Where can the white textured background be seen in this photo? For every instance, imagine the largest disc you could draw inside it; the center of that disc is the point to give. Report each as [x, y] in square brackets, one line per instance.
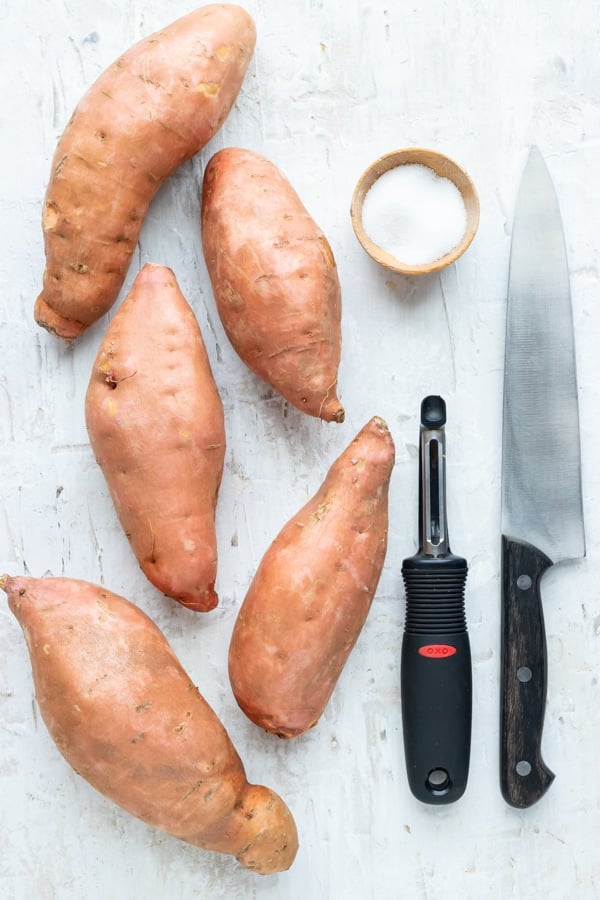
[333, 84]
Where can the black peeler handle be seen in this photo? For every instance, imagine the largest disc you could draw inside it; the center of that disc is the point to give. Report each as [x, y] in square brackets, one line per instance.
[436, 679]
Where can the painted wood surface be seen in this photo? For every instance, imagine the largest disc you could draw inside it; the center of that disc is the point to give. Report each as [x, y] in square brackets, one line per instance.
[333, 85]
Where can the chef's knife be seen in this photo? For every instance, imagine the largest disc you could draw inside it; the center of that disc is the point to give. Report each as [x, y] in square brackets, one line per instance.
[435, 671]
[542, 516]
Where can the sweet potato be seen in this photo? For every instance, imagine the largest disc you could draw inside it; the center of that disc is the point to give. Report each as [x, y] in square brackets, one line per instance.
[156, 426]
[150, 111]
[126, 716]
[312, 591]
[274, 278]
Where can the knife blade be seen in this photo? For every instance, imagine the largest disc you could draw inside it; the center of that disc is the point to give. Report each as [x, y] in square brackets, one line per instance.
[542, 510]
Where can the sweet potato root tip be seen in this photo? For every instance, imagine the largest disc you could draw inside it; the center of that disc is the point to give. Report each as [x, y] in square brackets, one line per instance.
[47, 318]
[332, 410]
[209, 601]
[286, 734]
[267, 832]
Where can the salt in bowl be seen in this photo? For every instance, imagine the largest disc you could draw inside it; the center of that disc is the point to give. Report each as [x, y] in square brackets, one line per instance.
[439, 165]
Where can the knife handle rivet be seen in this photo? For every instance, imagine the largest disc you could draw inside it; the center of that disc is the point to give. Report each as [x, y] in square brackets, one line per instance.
[523, 768]
[524, 674]
[524, 582]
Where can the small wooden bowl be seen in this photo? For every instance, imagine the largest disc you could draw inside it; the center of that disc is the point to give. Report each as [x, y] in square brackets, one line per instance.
[442, 166]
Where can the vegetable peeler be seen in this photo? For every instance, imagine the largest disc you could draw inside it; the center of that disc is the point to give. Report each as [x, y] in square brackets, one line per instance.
[436, 680]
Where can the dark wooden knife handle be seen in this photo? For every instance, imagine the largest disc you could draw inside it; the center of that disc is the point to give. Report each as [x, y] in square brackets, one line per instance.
[524, 777]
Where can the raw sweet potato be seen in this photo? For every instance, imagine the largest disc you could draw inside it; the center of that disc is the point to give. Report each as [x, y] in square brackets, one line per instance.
[274, 278]
[156, 426]
[126, 716]
[312, 591]
[150, 111]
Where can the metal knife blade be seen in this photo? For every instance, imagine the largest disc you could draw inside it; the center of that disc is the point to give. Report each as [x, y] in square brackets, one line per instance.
[542, 511]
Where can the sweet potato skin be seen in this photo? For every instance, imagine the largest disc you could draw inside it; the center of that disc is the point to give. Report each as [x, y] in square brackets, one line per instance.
[156, 426]
[126, 716]
[150, 111]
[274, 278]
[312, 591]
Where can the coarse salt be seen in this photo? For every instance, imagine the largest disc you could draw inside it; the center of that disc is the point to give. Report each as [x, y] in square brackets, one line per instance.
[414, 214]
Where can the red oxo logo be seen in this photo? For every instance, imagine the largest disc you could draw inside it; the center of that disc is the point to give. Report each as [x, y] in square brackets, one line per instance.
[437, 651]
